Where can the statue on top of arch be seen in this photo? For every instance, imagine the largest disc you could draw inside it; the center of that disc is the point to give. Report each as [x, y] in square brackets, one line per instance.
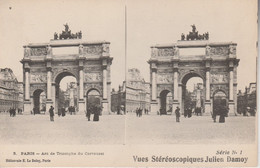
[67, 34]
[194, 35]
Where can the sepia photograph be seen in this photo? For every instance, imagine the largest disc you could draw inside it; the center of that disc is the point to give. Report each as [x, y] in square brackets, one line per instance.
[128, 83]
[194, 73]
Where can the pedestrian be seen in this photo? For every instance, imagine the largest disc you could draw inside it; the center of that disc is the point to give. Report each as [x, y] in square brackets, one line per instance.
[223, 114]
[214, 115]
[70, 110]
[141, 112]
[185, 112]
[63, 112]
[189, 112]
[89, 111]
[59, 112]
[11, 112]
[14, 112]
[177, 113]
[97, 113]
[51, 111]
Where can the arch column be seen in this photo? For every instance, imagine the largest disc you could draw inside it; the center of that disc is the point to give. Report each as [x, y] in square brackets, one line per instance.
[27, 99]
[181, 100]
[207, 102]
[175, 90]
[49, 89]
[53, 90]
[231, 103]
[81, 101]
[105, 100]
[155, 102]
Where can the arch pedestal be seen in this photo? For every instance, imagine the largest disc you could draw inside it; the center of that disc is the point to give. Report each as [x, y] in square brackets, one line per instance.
[82, 107]
[27, 107]
[154, 108]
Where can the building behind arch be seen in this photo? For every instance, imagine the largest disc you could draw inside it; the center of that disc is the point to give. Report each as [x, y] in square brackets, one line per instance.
[11, 91]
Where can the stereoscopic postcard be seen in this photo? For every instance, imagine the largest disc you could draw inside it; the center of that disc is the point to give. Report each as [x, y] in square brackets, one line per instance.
[127, 83]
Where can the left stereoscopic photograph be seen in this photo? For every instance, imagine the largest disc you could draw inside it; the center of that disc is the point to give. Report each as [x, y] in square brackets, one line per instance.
[58, 70]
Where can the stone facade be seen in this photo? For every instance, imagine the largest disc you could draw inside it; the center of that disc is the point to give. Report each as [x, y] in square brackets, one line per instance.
[11, 92]
[43, 70]
[247, 99]
[137, 91]
[216, 66]
[118, 99]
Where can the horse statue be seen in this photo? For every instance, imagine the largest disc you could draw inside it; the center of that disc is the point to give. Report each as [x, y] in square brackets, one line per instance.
[192, 35]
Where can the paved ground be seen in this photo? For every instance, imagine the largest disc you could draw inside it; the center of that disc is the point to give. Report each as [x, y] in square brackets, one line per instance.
[71, 129]
[75, 129]
[194, 130]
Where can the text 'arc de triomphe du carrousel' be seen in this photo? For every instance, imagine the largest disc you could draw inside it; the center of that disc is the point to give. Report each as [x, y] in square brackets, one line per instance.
[43, 70]
[172, 65]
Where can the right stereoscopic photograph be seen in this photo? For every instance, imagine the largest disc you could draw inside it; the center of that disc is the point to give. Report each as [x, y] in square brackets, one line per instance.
[191, 72]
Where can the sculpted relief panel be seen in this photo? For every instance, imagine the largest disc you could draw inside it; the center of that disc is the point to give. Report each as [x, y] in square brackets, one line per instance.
[165, 52]
[219, 75]
[92, 68]
[38, 78]
[93, 50]
[224, 51]
[219, 78]
[93, 77]
[191, 64]
[165, 78]
[38, 51]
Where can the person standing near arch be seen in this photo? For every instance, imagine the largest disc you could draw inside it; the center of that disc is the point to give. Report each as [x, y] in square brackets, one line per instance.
[177, 113]
[51, 111]
[223, 114]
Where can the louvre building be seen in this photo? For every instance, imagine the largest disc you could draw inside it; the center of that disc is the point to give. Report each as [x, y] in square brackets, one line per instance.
[137, 91]
[11, 91]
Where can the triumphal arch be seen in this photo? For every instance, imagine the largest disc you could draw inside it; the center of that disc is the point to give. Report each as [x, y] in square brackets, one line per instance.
[172, 65]
[46, 64]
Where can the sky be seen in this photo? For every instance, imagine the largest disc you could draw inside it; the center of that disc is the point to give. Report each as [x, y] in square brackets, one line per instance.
[162, 22]
[31, 21]
[149, 22]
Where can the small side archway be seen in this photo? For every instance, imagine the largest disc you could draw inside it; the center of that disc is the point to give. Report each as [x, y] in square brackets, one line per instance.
[93, 98]
[165, 102]
[219, 99]
[39, 101]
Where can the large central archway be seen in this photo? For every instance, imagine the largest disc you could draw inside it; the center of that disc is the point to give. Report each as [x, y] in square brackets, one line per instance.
[193, 97]
[68, 93]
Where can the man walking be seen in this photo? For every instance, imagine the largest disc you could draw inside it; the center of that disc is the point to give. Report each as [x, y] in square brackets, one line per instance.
[89, 111]
[51, 113]
[177, 113]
